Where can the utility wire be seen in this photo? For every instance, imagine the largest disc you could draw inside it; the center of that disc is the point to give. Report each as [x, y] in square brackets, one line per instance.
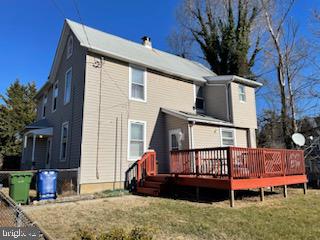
[80, 18]
[56, 5]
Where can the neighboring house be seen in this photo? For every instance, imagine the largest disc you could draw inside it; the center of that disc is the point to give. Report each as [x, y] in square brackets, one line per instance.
[107, 100]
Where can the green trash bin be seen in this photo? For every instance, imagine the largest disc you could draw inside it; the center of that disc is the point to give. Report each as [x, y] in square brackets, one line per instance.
[20, 186]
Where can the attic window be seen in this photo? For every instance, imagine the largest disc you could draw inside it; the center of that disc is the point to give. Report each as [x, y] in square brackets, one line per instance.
[70, 47]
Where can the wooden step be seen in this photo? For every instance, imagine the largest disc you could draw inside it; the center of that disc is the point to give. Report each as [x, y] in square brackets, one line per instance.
[157, 178]
[148, 191]
[151, 184]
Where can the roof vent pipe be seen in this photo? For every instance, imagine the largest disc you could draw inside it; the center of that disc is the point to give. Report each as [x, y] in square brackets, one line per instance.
[146, 41]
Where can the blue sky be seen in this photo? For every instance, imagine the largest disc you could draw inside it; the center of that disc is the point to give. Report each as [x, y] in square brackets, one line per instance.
[30, 29]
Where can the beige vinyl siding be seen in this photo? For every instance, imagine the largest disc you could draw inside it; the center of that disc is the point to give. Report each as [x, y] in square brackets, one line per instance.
[216, 101]
[253, 138]
[244, 113]
[71, 112]
[241, 137]
[162, 91]
[205, 136]
[171, 123]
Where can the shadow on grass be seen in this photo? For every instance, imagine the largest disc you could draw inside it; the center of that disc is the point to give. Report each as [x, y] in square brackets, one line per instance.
[209, 195]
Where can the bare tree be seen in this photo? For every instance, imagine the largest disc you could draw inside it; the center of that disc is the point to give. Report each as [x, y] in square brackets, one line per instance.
[288, 60]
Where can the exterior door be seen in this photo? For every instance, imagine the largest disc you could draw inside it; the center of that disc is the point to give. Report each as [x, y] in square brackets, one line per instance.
[48, 152]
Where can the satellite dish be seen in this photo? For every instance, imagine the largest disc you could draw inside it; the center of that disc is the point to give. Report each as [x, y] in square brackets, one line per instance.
[298, 139]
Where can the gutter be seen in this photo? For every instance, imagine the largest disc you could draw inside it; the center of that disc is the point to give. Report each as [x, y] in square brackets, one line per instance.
[212, 80]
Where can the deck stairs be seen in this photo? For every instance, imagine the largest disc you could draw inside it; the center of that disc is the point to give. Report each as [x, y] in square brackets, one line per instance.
[143, 178]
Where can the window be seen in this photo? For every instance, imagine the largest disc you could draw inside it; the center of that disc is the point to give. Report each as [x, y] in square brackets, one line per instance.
[70, 47]
[227, 137]
[55, 93]
[44, 105]
[199, 98]
[137, 89]
[242, 93]
[67, 86]
[137, 135]
[64, 141]
[175, 139]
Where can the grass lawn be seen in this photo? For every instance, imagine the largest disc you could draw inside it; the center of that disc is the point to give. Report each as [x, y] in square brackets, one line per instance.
[297, 217]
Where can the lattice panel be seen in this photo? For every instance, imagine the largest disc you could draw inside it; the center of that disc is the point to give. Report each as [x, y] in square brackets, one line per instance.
[273, 162]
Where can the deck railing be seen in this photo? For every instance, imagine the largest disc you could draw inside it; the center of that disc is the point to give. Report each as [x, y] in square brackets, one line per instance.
[236, 162]
[140, 169]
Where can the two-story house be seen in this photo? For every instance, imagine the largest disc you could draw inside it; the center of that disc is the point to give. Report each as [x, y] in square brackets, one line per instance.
[107, 100]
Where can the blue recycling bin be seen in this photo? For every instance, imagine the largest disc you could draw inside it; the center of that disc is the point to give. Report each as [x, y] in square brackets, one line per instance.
[47, 184]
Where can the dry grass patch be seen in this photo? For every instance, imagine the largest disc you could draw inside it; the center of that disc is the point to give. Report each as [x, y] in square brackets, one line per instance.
[277, 218]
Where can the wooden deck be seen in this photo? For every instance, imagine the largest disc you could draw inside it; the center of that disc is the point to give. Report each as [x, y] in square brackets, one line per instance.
[228, 168]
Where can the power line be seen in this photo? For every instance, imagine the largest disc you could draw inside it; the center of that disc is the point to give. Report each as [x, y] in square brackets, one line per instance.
[80, 18]
[56, 5]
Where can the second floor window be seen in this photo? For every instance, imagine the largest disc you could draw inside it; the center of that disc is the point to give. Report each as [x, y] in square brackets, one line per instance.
[44, 105]
[199, 98]
[137, 84]
[67, 86]
[242, 93]
[55, 93]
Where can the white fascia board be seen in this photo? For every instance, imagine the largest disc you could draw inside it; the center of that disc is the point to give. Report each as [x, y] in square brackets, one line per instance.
[232, 78]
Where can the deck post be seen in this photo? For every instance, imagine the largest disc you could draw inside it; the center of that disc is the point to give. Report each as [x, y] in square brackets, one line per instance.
[197, 163]
[305, 188]
[285, 191]
[197, 193]
[272, 188]
[232, 198]
[261, 194]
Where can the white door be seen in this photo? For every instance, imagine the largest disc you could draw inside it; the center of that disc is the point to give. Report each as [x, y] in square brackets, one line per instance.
[48, 152]
[175, 138]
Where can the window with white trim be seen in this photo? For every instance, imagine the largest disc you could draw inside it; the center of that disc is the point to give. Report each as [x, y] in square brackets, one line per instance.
[67, 86]
[137, 131]
[44, 105]
[227, 137]
[64, 141]
[70, 47]
[199, 98]
[242, 93]
[137, 84]
[55, 93]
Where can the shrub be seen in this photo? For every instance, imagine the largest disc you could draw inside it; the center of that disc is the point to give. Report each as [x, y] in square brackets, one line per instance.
[136, 233]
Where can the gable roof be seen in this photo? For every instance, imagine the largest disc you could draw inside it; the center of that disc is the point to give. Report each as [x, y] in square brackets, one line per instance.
[125, 50]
